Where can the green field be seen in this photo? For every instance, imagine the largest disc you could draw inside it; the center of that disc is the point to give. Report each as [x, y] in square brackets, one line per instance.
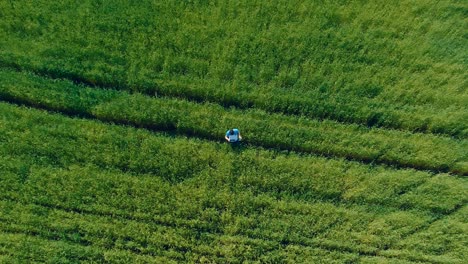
[354, 116]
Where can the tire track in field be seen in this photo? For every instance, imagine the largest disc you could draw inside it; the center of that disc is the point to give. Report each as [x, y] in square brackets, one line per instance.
[130, 219]
[427, 225]
[118, 214]
[53, 234]
[326, 245]
[44, 239]
[80, 80]
[101, 250]
[335, 200]
[420, 229]
[439, 217]
[142, 219]
[171, 131]
[329, 245]
[414, 157]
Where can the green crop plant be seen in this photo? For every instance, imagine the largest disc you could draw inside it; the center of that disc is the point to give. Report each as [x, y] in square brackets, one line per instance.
[113, 114]
[95, 195]
[210, 121]
[143, 154]
[374, 63]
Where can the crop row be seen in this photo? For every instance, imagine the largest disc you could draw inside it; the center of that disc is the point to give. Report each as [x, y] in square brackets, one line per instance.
[91, 237]
[60, 141]
[136, 199]
[21, 248]
[369, 69]
[281, 177]
[230, 197]
[26, 247]
[64, 142]
[446, 236]
[134, 236]
[402, 149]
[322, 225]
[448, 121]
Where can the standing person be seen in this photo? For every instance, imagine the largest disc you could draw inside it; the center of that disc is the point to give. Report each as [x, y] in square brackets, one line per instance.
[233, 135]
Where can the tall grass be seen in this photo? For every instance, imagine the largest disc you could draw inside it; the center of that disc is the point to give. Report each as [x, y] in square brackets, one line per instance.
[351, 111]
[79, 187]
[210, 121]
[390, 64]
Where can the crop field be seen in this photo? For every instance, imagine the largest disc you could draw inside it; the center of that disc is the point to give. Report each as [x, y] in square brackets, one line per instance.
[354, 117]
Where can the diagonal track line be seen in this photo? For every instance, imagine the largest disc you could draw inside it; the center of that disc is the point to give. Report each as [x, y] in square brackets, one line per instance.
[321, 244]
[439, 217]
[172, 131]
[427, 225]
[80, 80]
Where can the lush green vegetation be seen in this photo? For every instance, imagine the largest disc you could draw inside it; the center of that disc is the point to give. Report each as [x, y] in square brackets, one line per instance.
[354, 117]
[92, 185]
[387, 63]
[401, 149]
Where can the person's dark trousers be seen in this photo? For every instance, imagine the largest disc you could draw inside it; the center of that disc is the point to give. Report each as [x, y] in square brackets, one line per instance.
[235, 145]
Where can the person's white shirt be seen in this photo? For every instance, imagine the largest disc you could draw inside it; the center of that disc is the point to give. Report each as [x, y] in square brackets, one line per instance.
[233, 138]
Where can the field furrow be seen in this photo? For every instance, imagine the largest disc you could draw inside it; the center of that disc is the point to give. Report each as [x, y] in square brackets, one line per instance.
[117, 232]
[345, 109]
[241, 199]
[26, 247]
[77, 141]
[138, 221]
[353, 117]
[329, 139]
[445, 237]
[398, 66]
